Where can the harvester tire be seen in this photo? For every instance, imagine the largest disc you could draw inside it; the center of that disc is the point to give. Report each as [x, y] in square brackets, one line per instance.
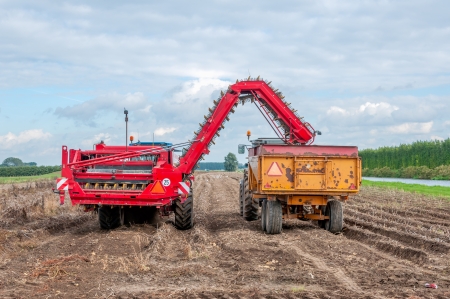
[184, 213]
[109, 218]
[241, 198]
[263, 214]
[273, 217]
[250, 207]
[336, 221]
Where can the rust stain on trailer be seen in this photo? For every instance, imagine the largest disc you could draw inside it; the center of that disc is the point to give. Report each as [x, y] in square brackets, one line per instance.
[289, 175]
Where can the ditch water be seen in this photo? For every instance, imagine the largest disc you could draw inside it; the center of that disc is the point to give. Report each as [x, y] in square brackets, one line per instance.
[410, 181]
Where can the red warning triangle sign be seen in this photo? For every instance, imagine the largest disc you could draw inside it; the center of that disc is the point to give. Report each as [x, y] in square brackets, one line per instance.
[158, 188]
[274, 170]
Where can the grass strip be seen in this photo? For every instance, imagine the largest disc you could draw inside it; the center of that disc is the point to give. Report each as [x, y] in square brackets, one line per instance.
[439, 191]
[33, 178]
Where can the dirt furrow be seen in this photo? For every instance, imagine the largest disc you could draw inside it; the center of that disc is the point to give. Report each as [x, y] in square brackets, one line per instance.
[413, 232]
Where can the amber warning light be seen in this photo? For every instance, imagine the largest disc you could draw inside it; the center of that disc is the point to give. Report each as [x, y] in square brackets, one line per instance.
[249, 134]
[131, 138]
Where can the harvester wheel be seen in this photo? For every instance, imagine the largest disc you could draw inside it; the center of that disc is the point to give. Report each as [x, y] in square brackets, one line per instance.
[334, 211]
[241, 198]
[263, 214]
[250, 207]
[109, 218]
[184, 215]
[273, 217]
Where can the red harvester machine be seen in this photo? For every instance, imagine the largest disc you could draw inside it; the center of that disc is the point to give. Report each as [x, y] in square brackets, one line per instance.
[125, 183]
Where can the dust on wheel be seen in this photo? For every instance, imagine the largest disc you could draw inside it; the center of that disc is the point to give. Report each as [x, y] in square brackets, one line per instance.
[273, 217]
[109, 218]
[334, 211]
[184, 213]
[250, 207]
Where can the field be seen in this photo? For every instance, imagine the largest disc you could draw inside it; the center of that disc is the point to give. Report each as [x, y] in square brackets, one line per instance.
[393, 243]
[438, 191]
[24, 179]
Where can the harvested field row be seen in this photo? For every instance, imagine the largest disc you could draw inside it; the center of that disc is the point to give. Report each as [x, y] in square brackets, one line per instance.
[389, 249]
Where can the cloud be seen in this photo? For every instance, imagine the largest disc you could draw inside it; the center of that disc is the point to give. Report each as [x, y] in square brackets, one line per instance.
[163, 131]
[433, 137]
[166, 64]
[367, 113]
[88, 111]
[411, 128]
[28, 137]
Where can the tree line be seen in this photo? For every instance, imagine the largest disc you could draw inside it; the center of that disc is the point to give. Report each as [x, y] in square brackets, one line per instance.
[27, 170]
[420, 153]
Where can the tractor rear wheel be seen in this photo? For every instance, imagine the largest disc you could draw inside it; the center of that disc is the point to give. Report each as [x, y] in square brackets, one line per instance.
[273, 217]
[250, 207]
[109, 218]
[336, 221]
[263, 214]
[184, 214]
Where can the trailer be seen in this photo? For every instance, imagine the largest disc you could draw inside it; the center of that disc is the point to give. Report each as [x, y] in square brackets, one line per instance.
[130, 184]
[298, 182]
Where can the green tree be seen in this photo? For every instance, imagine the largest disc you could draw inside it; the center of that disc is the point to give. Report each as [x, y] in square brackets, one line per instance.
[11, 161]
[231, 162]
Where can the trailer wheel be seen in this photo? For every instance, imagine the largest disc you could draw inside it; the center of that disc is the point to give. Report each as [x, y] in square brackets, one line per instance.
[273, 217]
[334, 211]
[241, 198]
[184, 215]
[109, 218]
[250, 207]
[263, 214]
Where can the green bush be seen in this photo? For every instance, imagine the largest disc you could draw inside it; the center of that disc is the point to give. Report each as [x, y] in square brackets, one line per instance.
[411, 172]
[420, 153]
[27, 170]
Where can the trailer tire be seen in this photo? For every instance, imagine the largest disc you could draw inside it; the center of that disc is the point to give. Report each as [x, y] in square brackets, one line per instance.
[241, 198]
[250, 207]
[184, 215]
[336, 221]
[273, 217]
[263, 214]
[109, 218]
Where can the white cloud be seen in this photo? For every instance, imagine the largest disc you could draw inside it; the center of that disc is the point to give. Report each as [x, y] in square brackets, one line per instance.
[411, 128]
[163, 131]
[28, 137]
[433, 137]
[381, 108]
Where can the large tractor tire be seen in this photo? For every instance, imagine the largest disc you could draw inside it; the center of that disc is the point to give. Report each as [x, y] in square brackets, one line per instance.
[273, 217]
[263, 214]
[250, 207]
[241, 198]
[336, 221]
[110, 218]
[184, 213]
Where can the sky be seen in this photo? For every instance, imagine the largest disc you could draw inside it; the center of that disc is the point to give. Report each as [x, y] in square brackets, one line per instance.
[364, 73]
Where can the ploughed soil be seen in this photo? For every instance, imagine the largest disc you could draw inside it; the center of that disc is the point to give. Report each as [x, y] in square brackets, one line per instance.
[392, 244]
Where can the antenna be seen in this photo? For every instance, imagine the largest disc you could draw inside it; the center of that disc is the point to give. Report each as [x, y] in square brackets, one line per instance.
[125, 111]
